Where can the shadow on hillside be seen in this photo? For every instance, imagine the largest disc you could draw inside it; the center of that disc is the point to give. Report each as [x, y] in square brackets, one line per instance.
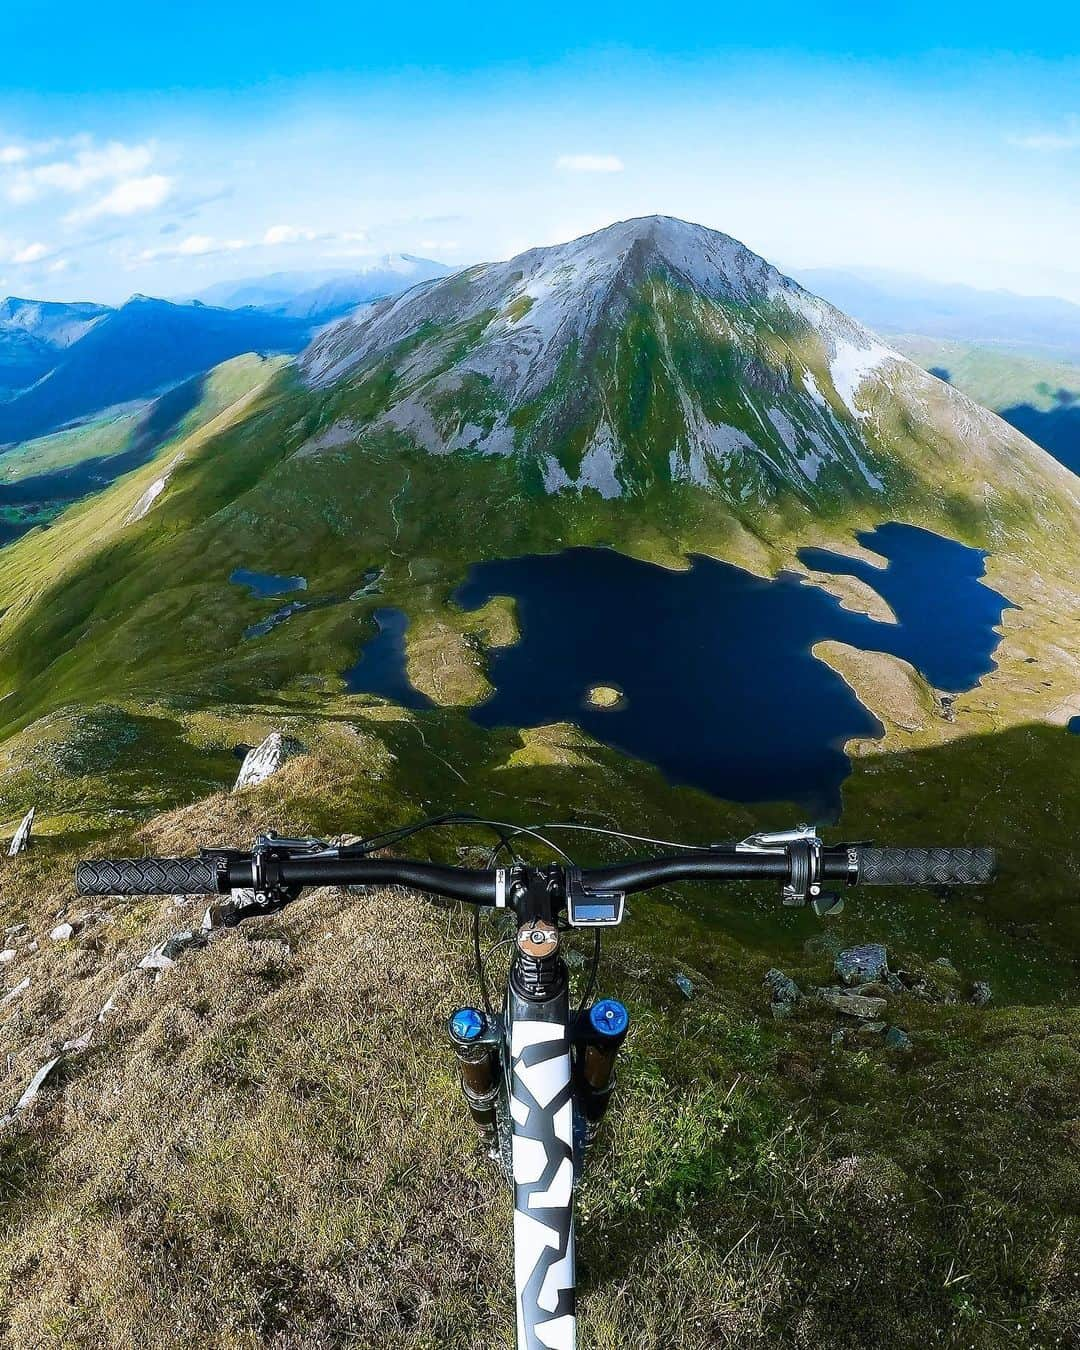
[155, 425]
[1057, 431]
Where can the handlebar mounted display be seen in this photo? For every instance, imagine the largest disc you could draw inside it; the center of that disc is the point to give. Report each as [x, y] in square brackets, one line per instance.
[592, 907]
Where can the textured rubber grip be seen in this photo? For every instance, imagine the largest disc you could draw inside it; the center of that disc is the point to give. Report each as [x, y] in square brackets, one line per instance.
[146, 876]
[926, 866]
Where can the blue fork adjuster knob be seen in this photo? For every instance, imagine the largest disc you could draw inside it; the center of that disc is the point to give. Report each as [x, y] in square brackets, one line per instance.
[467, 1025]
[609, 1018]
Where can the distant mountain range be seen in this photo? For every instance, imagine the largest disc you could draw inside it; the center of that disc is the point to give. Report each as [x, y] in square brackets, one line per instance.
[319, 296]
[33, 333]
[892, 302]
[65, 363]
[91, 358]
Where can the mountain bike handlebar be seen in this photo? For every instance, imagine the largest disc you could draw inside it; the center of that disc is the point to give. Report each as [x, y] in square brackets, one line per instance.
[224, 871]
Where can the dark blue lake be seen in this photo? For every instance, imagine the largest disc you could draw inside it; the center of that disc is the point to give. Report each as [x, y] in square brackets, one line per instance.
[721, 690]
[263, 584]
[381, 667]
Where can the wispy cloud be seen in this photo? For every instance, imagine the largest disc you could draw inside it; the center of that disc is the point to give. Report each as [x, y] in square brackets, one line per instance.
[287, 234]
[590, 163]
[1067, 138]
[194, 246]
[127, 198]
[353, 242]
[89, 166]
[32, 253]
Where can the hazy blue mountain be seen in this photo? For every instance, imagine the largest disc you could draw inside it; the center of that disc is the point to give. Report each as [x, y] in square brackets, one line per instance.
[319, 296]
[33, 334]
[897, 303]
[136, 352]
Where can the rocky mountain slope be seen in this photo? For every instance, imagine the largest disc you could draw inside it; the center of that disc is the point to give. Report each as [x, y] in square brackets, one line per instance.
[658, 352]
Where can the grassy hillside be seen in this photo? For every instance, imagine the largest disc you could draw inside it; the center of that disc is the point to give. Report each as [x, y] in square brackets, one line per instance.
[177, 415]
[267, 1148]
[1038, 396]
[256, 1150]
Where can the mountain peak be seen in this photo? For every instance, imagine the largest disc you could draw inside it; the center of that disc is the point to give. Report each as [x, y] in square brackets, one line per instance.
[560, 294]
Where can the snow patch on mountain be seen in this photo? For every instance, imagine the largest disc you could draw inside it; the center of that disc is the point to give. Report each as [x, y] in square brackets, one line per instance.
[851, 366]
[152, 493]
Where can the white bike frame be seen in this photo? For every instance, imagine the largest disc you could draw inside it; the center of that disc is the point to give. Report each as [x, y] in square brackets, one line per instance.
[540, 1093]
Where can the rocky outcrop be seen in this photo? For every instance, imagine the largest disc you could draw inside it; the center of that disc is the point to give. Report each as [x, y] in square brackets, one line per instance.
[266, 759]
[853, 1005]
[868, 964]
[21, 841]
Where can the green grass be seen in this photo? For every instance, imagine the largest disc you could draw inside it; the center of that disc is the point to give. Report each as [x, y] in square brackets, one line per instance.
[996, 378]
[269, 1146]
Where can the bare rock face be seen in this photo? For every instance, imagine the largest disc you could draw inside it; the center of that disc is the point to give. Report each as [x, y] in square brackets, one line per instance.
[266, 759]
[854, 1005]
[21, 841]
[862, 965]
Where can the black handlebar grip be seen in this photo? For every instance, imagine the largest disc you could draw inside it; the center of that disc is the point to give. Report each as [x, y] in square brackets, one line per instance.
[926, 866]
[147, 876]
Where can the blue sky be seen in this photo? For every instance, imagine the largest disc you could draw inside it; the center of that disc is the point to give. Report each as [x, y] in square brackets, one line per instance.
[158, 149]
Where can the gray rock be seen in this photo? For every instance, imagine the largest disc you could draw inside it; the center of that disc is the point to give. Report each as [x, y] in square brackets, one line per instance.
[13, 993]
[63, 932]
[869, 1030]
[782, 988]
[266, 759]
[166, 954]
[981, 994]
[684, 985]
[945, 963]
[37, 1083]
[837, 1037]
[21, 842]
[897, 1039]
[180, 942]
[575, 960]
[862, 965]
[16, 930]
[781, 1009]
[7, 956]
[852, 1005]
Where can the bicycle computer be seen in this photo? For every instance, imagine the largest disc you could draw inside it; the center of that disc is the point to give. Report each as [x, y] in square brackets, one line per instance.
[592, 908]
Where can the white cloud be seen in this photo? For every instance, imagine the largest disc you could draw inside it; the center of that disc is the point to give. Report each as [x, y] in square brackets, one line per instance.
[60, 265]
[590, 163]
[88, 166]
[31, 253]
[127, 198]
[13, 154]
[1067, 139]
[194, 246]
[287, 234]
